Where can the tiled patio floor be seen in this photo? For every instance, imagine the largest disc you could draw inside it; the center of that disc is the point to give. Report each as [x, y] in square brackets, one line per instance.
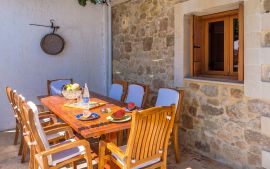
[10, 160]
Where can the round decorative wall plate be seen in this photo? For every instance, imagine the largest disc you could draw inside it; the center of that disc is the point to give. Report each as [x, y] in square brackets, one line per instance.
[52, 44]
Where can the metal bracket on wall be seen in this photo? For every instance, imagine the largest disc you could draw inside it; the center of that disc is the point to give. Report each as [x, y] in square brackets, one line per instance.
[48, 26]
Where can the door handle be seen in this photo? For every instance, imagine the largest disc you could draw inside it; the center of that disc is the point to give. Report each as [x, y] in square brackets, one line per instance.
[196, 46]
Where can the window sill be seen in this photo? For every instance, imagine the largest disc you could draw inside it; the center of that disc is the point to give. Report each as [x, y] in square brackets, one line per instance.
[215, 81]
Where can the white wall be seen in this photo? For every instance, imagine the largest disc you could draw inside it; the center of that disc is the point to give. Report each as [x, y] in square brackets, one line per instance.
[25, 67]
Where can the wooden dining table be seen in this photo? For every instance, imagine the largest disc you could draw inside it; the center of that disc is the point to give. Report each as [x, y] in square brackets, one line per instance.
[93, 128]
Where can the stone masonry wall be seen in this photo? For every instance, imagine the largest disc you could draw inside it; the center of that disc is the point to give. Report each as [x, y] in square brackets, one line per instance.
[143, 42]
[218, 120]
[221, 123]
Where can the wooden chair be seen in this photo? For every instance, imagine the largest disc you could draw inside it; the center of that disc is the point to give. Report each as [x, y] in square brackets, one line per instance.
[55, 86]
[9, 92]
[58, 155]
[17, 101]
[167, 97]
[118, 90]
[28, 136]
[148, 141]
[138, 94]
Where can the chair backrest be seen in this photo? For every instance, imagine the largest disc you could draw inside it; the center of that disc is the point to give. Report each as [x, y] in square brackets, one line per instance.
[8, 92]
[38, 125]
[10, 95]
[37, 130]
[118, 90]
[149, 135]
[55, 86]
[167, 97]
[138, 94]
[15, 102]
[20, 100]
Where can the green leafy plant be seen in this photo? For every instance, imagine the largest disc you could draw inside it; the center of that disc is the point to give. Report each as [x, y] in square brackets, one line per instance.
[84, 2]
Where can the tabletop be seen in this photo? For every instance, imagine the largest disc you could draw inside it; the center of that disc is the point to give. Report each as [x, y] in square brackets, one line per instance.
[87, 129]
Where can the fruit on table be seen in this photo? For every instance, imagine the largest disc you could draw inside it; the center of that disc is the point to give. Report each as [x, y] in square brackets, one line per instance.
[75, 86]
[119, 114]
[131, 106]
[68, 87]
[72, 87]
[86, 114]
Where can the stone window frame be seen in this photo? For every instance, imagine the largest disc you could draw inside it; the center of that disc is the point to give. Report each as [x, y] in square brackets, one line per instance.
[182, 12]
[201, 69]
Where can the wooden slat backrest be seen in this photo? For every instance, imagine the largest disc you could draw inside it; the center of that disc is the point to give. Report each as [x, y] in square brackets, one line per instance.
[149, 136]
[20, 101]
[8, 92]
[33, 129]
[10, 96]
[15, 102]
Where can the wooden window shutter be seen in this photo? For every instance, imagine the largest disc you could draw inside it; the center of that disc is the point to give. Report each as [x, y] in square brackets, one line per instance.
[196, 46]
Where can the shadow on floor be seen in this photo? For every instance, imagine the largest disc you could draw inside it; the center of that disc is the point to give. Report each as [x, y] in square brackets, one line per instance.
[189, 160]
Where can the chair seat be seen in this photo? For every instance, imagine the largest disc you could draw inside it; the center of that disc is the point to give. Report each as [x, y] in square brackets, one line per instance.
[67, 154]
[148, 163]
[55, 135]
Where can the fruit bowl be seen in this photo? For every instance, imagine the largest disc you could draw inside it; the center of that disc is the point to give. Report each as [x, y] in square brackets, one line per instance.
[71, 91]
[72, 94]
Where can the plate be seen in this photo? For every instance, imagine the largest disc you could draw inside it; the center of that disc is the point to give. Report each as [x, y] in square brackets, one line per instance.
[92, 117]
[124, 119]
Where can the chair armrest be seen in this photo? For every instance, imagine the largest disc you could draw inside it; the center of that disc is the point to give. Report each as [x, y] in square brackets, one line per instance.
[41, 113]
[56, 125]
[67, 146]
[116, 150]
[68, 131]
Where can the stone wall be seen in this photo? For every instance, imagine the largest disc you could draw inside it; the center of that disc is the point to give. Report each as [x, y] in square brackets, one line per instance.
[220, 122]
[143, 42]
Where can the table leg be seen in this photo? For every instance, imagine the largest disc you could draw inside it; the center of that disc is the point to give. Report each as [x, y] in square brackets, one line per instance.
[112, 137]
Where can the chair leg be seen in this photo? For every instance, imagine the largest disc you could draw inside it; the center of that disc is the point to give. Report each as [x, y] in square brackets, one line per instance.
[74, 165]
[102, 151]
[31, 158]
[24, 152]
[36, 166]
[16, 134]
[21, 145]
[89, 164]
[163, 166]
[176, 143]
[120, 138]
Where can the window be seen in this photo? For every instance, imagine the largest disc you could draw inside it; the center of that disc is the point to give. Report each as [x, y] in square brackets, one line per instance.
[217, 45]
